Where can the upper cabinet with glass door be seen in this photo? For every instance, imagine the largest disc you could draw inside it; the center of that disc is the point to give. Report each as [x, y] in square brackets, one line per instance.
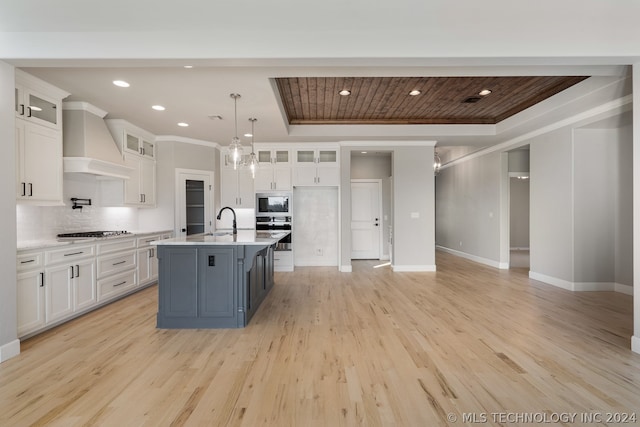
[317, 157]
[132, 139]
[37, 101]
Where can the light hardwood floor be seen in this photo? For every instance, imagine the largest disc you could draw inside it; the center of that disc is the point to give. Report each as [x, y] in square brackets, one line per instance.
[372, 348]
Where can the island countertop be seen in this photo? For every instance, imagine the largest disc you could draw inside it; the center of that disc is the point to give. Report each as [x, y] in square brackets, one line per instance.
[226, 237]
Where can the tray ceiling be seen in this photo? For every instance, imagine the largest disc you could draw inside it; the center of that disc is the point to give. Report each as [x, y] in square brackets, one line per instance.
[386, 100]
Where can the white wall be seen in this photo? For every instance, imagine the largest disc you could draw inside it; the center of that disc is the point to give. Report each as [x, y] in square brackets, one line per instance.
[9, 345]
[468, 208]
[315, 226]
[413, 209]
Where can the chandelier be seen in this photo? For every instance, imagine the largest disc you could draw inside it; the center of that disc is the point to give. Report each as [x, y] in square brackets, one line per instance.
[252, 162]
[235, 148]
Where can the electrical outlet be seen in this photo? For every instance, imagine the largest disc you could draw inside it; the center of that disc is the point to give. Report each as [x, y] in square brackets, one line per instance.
[319, 251]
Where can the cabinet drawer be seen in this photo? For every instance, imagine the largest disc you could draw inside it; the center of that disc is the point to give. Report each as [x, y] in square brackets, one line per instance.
[282, 259]
[146, 240]
[115, 285]
[116, 246]
[108, 265]
[29, 261]
[70, 253]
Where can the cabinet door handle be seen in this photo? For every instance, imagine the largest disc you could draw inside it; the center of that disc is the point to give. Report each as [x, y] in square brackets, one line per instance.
[28, 111]
[41, 280]
[120, 284]
[22, 109]
[24, 188]
[72, 275]
[151, 253]
[30, 189]
[118, 263]
[74, 253]
[28, 261]
[77, 270]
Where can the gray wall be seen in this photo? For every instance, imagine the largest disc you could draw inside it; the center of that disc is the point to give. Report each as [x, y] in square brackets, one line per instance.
[551, 237]
[518, 213]
[468, 207]
[595, 155]
[171, 155]
[413, 192]
[8, 316]
[624, 203]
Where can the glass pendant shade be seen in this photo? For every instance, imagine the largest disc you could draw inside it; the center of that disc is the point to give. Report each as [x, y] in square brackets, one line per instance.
[235, 152]
[437, 163]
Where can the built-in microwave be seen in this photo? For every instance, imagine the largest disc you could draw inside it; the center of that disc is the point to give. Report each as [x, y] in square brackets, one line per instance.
[278, 204]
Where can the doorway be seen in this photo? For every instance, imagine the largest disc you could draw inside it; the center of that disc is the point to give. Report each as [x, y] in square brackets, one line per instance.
[193, 202]
[519, 208]
[366, 218]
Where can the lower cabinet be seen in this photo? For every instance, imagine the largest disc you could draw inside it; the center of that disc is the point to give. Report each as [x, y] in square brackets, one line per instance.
[212, 286]
[57, 284]
[30, 302]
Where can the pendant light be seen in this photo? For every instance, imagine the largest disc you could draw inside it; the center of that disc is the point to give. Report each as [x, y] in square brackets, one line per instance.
[235, 149]
[253, 160]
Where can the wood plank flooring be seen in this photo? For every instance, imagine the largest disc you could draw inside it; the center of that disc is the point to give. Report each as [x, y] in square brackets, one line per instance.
[372, 348]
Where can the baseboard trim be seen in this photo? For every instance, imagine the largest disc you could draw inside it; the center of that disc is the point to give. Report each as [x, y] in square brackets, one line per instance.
[475, 258]
[635, 344]
[346, 269]
[308, 263]
[413, 268]
[582, 286]
[9, 350]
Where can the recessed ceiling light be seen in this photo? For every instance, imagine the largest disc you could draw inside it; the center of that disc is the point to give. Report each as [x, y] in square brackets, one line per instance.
[484, 92]
[158, 107]
[121, 83]
[363, 152]
[188, 66]
[415, 92]
[183, 124]
[345, 92]
[248, 135]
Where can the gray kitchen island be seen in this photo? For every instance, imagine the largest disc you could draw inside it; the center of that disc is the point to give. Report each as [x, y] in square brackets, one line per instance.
[215, 280]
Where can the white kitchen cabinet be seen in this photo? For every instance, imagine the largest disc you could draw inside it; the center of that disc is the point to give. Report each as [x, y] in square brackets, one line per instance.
[274, 169]
[117, 265]
[138, 145]
[70, 281]
[38, 164]
[139, 190]
[236, 188]
[132, 139]
[37, 101]
[31, 301]
[147, 260]
[317, 167]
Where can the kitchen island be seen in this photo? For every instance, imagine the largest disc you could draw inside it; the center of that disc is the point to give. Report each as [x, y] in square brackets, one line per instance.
[215, 280]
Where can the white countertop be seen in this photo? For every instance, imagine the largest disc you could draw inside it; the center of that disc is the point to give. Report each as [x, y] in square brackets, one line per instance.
[244, 237]
[25, 245]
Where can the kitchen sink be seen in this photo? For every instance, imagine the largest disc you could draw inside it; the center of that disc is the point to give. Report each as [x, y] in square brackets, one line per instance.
[219, 233]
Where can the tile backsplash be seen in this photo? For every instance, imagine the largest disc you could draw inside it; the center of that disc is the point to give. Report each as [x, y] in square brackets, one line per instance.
[45, 222]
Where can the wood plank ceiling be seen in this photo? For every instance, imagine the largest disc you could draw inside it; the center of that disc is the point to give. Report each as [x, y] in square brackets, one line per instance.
[386, 100]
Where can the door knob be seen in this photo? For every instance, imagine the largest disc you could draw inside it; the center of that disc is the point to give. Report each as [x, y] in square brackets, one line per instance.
[184, 230]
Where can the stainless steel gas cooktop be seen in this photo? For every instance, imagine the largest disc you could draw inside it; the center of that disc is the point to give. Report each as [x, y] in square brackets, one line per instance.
[92, 234]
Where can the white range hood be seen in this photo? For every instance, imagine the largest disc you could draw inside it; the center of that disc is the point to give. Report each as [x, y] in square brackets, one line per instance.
[88, 146]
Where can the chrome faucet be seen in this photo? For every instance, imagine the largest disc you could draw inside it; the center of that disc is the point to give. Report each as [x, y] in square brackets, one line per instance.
[235, 228]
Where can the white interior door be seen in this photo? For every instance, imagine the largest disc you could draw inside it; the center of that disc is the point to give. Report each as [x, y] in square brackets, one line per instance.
[193, 202]
[366, 219]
